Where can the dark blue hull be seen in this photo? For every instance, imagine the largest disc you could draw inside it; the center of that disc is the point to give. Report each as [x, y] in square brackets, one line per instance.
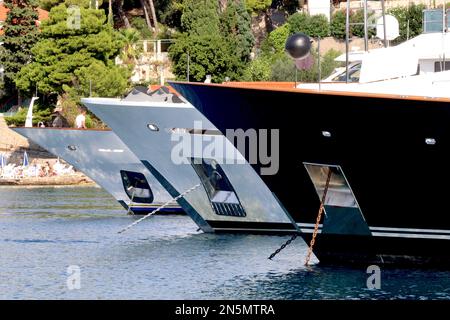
[379, 142]
[146, 209]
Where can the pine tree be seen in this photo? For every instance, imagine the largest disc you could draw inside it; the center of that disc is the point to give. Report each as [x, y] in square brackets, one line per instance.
[48, 4]
[236, 28]
[202, 40]
[201, 17]
[218, 43]
[20, 34]
[66, 54]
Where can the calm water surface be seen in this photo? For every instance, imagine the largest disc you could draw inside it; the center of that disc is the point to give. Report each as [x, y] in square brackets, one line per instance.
[45, 230]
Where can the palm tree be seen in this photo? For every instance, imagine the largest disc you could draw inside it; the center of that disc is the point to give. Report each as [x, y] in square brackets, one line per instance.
[147, 17]
[155, 20]
[122, 15]
[223, 5]
[110, 13]
[130, 54]
[149, 6]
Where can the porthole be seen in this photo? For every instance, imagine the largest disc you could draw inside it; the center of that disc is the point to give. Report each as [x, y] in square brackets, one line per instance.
[326, 134]
[153, 127]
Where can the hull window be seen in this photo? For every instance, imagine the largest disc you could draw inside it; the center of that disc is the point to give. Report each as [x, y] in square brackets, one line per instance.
[339, 192]
[136, 187]
[221, 194]
[441, 66]
[342, 212]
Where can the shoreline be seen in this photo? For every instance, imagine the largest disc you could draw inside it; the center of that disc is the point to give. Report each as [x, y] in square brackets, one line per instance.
[13, 146]
[69, 180]
[86, 185]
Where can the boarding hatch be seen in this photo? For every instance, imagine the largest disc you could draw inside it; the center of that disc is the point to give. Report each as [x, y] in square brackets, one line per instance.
[218, 187]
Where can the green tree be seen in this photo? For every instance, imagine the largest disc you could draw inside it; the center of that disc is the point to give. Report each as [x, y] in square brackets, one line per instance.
[130, 53]
[408, 18]
[319, 26]
[140, 25]
[283, 69]
[99, 80]
[357, 18]
[65, 49]
[200, 17]
[258, 70]
[48, 4]
[236, 25]
[298, 22]
[207, 56]
[170, 12]
[218, 45]
[313, 26]
[337, 24]
[20, 35]
[277, 39]
[254, 6]
[40, 114]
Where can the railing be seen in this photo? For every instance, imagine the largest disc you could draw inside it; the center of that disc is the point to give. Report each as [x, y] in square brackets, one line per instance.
[153, 46]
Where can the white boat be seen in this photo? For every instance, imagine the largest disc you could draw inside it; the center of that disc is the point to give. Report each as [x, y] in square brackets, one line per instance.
[103, 157]
[370, 151]
[226, 197]
[417, 67]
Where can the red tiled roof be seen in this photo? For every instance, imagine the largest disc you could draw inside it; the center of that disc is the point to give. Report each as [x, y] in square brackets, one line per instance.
[3, 12]
[43, 14]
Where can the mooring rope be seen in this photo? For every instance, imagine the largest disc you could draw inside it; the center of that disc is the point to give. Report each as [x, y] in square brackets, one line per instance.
[214, 174]
[161, 207]
[131, 202]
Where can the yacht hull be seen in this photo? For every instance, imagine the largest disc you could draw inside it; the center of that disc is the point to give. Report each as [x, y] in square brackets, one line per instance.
[259, 211]
[101, 155]
[391, 150]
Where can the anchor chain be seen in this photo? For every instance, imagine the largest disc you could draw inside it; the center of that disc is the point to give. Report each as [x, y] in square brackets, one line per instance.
[284, 245]
[319, 217]
[316, 227]
[169, 202]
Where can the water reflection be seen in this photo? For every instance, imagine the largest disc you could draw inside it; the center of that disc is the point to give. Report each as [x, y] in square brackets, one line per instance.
[43, 231]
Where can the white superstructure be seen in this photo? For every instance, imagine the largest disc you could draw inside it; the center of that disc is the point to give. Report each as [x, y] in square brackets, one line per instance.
[411, 68]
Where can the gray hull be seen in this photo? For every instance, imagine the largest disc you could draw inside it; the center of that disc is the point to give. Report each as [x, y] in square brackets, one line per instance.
[101, 155]
[130, 121]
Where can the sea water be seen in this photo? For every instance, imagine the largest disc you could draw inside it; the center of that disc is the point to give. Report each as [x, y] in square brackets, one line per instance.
[62, 243]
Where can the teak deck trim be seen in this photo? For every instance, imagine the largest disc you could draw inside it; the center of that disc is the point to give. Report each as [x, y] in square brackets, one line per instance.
[289, 87]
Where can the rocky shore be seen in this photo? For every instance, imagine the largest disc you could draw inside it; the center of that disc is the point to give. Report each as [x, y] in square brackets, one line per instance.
[69, 180]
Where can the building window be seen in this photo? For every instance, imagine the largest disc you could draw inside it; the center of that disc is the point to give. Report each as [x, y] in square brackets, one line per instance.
[439, 65]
